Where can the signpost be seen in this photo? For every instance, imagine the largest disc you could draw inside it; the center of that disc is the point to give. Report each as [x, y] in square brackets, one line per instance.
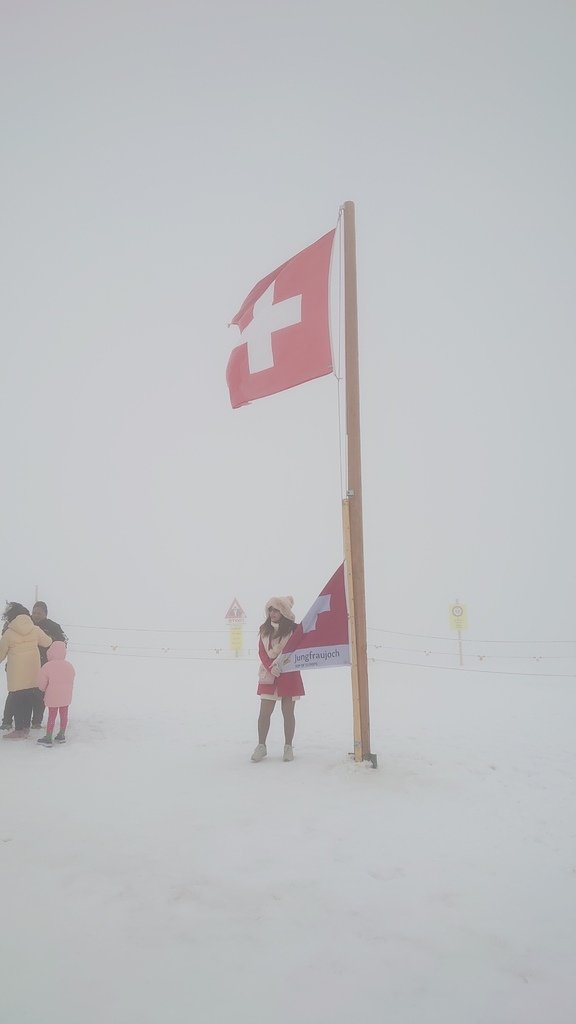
[236, 618]
[458, 614]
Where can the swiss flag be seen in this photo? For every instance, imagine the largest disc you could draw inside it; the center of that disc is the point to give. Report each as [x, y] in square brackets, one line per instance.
[285, 330]
[322, 638]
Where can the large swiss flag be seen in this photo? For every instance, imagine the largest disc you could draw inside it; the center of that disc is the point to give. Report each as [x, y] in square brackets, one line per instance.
[284, 324]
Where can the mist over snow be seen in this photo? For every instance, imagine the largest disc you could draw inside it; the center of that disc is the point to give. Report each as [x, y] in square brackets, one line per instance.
[158, 160]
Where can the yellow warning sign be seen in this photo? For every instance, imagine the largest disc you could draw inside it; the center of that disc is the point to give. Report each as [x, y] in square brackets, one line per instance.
[458, 615]
[236, 639]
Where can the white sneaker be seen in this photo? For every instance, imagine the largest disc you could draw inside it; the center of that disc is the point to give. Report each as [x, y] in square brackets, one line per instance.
[259, 753]
[288, 753]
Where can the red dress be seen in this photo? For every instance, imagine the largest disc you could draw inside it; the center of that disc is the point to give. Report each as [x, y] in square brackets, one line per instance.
[287, 684]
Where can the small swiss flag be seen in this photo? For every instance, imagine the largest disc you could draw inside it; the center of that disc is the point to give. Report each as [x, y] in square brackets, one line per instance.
[285, 329]
[322, 639]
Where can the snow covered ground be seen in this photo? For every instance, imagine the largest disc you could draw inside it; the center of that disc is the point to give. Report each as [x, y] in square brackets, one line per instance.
[152, 874]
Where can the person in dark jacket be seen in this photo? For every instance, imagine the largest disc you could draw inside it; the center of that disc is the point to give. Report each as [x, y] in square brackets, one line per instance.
[53, 629]
[55, 632]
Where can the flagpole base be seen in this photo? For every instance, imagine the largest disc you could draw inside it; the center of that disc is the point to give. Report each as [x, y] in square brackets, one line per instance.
[373, 758]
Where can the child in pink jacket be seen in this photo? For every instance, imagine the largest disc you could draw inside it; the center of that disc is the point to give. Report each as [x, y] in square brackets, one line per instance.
[56, 679]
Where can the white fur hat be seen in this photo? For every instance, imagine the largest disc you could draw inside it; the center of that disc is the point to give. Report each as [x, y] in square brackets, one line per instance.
[283, 605]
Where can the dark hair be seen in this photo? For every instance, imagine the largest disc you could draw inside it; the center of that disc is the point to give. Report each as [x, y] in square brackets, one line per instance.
[13, 609]
[41, 604]
[285, 628]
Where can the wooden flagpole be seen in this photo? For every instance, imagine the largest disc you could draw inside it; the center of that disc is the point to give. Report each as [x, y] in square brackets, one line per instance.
[352, 505]
[351, 612]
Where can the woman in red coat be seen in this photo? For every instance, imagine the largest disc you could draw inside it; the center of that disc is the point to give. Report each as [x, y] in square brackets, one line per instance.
[273, 684]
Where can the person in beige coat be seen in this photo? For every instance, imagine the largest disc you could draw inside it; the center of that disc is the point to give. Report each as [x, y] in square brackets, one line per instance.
[19, 645]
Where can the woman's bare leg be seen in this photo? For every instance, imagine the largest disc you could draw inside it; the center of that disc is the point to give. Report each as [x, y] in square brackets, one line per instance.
[266, 709]
[289, 719]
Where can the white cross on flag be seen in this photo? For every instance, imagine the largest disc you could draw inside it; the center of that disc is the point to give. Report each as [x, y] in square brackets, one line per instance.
[284, 324]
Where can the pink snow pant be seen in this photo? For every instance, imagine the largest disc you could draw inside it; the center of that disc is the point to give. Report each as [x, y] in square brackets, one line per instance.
[52, 712]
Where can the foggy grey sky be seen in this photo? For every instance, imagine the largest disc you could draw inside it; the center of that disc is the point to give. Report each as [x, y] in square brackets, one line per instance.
[160, 158]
